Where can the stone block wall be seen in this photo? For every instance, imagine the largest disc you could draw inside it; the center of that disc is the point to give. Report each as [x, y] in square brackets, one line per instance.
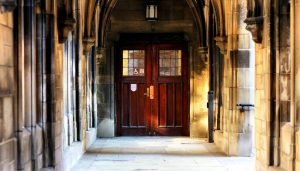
[8, 148]
[237, 127]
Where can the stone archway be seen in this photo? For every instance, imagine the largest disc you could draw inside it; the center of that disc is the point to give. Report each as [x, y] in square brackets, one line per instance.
[199, 54]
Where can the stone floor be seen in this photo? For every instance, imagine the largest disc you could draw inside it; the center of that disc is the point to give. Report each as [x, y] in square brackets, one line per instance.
[159, 153]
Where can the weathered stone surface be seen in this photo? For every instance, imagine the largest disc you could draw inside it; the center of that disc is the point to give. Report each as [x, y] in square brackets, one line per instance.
[6, 77]
[6, 53]
[106, 128]
[8, 126]
[8, 151]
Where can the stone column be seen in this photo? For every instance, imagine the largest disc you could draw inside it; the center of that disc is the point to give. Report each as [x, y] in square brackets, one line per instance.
[77, 59]
[105, 102]
[40, 57]
[239, 84]
[295, 103]
[49, 91]
[30, 81]
[87, 42]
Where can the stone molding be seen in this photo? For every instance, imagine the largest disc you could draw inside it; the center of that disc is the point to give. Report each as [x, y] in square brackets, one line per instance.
[221, 42]
[88, 43]
[203, 53]
[65, 27]
[255, 26]
[202, 50]
[7, 5]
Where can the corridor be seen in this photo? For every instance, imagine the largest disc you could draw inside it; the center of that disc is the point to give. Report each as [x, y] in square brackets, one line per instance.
[96, 85]
[159, 153]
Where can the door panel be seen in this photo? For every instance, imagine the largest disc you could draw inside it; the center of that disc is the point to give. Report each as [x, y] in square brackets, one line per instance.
[165, 68]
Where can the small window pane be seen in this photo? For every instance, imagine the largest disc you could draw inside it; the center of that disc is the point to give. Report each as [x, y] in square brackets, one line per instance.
[173, 71]
[125, 53]
[125, 63]
[140, 63]
[178, 62]
[179, 54]
[165, 63]
[131, 54]
[139, 54]
[125, 71]
[131, 63]
[173, 62]
[178, 71]
[130, 71]
[165, 71]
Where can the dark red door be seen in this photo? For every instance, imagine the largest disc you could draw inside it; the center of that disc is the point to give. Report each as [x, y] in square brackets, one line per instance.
[152, 90]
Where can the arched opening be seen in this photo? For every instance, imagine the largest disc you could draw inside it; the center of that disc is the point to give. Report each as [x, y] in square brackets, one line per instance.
[179, 21]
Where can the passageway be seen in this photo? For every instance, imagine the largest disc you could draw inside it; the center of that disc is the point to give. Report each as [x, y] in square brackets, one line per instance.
[159, 153]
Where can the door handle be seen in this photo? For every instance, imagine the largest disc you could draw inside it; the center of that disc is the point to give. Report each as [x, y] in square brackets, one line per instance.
[151, 92]
[147, 93]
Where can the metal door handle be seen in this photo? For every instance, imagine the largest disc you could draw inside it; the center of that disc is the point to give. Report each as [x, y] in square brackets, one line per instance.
[147, 93]
[151, 92]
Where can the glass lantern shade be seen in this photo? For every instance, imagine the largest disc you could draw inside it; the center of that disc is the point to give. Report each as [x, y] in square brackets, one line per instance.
[151, 10]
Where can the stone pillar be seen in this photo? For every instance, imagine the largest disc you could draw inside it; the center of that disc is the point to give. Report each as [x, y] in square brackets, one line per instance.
[19, 62]
[295, 56]
[105, 95]
[239, 86]
[30, 81]
[40, 57]
[77, 59]
[49, 91]
[87, 42]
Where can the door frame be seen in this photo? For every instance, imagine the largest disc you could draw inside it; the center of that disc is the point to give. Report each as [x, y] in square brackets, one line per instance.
[146, 40]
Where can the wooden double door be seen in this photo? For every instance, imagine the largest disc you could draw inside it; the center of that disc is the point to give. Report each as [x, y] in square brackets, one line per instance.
[152, 89]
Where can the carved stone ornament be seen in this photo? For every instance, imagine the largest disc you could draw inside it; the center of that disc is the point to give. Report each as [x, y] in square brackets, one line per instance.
[65, 27]
[7, 5]
[255, 26]
[100, 53]
[202, 52]
[221, 42]
[88, 43]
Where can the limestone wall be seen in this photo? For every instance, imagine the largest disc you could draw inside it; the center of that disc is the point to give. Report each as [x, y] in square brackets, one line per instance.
[8, 148]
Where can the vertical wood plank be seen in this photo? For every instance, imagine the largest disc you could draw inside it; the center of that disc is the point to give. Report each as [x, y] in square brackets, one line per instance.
[133, 114]
[125, 105]
[142, 105]
[178, 96]
[170, 113]
[162, 105]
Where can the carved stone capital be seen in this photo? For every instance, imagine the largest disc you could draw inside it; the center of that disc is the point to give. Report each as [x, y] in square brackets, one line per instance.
[221, 42]
[7, 5]
[88, 43]
[255, 26]
[202, 50]
[202, 53]
[65, 27]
